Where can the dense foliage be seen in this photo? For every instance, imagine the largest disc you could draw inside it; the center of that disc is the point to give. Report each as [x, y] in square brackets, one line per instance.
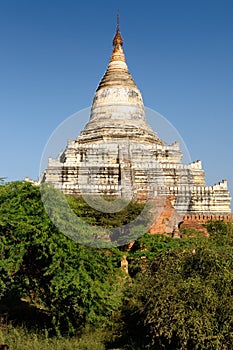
[178, 294]
[184, 300]
[74, 284]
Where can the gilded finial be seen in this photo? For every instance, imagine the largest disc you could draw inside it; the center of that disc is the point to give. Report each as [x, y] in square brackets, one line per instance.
[118, 38]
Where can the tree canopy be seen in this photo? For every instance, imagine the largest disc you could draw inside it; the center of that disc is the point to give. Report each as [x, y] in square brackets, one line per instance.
[178, 294]
[73, 283]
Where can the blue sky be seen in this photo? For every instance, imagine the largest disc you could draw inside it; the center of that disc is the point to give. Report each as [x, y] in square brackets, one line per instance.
[53, 54]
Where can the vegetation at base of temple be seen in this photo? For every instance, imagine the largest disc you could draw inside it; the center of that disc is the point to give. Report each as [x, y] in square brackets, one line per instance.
[20, 338]
[58, 294]
[95, 217]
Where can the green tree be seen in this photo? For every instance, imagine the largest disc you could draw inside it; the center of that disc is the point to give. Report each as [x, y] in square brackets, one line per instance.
[221, 233]
[184, 300]
[74, 284]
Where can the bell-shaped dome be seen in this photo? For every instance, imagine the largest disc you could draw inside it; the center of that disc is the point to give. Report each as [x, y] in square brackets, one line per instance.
[118, 105]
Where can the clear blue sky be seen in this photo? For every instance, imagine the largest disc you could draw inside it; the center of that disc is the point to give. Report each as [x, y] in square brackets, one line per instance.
[54, 52]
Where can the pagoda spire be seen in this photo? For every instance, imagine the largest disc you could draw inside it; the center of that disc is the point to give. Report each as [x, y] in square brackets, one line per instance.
[118, 38]
[117, 105]
[118, 53]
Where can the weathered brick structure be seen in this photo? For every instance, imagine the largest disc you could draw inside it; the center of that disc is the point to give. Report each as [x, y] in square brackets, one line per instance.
[119, 155]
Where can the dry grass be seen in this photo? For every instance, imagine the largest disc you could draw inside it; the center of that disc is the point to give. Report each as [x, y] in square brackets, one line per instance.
[21, 339]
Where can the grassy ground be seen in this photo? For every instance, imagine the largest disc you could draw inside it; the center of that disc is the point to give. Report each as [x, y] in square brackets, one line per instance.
[20, 339]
